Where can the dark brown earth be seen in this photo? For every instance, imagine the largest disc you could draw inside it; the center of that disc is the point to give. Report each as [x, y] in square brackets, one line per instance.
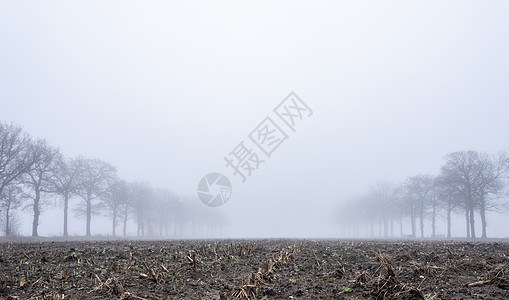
[261, 269]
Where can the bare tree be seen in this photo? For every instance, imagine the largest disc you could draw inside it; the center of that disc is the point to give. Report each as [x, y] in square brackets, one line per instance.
[434, 204]
[142, 201]
[65, 183]
[39, 178]
[15, 156]
[94, 180]
[492, 169]
[162, 209]
[353, 213]
[461, 176]
[409, 205]
[383, 197]
[477, 177]
[180, 213]
[420, 191]
[449, 199]
[400, 207]
[113, 199]
[126, 207]
[10, 199]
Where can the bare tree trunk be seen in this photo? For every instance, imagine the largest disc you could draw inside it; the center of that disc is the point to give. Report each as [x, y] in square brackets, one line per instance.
[141, 225]
[125, 220]
[449, 211]
[114, 223]
[89, 215]
[472, 222]
[386, 226]
[421, 223]
[467, 219]
[125, 227]
[483, 219]
[412, 220]
[7, 225]
[421, 217]
[149, 228]
[66, 209]
[35, 223]
[401, 225]
[433, 220]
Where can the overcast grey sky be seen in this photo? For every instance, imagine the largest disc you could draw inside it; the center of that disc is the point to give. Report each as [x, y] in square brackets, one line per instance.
[165, 89]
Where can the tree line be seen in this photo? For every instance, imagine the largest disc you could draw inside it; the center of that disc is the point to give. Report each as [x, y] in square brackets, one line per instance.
[33, 172]
[469, 184]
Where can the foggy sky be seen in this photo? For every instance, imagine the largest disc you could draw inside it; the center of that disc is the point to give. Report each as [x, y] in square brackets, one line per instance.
[164, 90]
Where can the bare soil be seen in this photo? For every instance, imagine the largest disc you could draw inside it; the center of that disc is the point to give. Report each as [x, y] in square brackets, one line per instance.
[254, 269]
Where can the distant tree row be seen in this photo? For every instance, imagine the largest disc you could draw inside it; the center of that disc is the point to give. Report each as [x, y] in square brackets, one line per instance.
[32, 172]
[470, 184]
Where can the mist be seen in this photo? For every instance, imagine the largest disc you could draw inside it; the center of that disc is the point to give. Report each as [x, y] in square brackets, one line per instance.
[165, 92]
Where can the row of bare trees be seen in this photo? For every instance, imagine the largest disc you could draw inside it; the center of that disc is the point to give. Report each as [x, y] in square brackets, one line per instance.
[32, 172]
[470, 183]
